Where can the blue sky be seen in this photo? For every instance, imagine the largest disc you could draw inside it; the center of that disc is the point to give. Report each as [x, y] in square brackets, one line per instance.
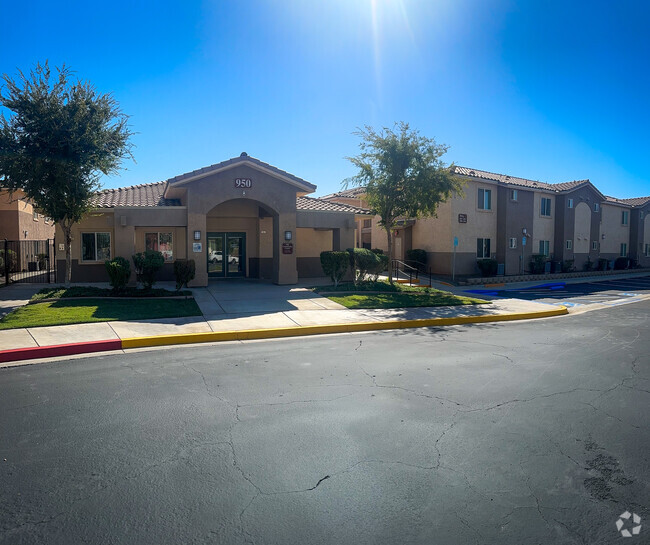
[548, 90]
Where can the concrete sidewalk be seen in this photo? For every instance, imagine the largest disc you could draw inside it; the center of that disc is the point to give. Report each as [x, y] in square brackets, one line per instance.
[244, 306]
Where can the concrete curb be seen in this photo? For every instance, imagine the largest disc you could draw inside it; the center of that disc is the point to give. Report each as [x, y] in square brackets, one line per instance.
[253, 334]
[36, 352]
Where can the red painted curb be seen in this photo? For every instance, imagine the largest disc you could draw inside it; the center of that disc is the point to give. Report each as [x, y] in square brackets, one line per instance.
[19, 354]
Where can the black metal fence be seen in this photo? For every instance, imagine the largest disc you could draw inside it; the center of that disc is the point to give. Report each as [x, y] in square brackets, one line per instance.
[27, 261]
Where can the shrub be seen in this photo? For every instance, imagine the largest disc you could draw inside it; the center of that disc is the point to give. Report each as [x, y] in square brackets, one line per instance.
[119, 272]
[184, 272]
[622, 263]
[419, 256]
[10, 260]
[377, 251]
[362, 261]
[602, 264]
[537, 263]
[335, 265]
[147, 264]
[589, 264]
[488, 267]
[567, 265]
[380, 267]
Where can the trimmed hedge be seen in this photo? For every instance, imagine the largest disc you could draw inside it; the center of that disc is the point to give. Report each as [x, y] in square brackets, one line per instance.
[335, 265]
[119, 272]
[147, 264]
[488, 267]
[184, 272]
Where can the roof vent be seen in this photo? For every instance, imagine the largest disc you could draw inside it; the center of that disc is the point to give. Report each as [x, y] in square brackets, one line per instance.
[243, 154]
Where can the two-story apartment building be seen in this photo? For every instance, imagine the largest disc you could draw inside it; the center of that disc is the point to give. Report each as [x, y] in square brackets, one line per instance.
[509, 219]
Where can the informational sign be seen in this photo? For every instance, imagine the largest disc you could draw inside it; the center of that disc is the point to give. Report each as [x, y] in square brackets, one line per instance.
[462, 218]
[61, 247]
[287, 247]
[197, 247]
[243, 183]
[455, 241]
[523, 241]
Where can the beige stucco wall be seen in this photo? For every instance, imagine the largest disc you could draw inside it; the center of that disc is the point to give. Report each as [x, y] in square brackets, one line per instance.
[615, 232]
[582, 229]
[480, 223]
[434, 234]
[310, 242]
[98, 222]
[238, 216]
[17, 220]
[543, 226]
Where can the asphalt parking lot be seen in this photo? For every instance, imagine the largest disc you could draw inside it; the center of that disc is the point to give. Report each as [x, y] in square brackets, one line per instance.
[608, 293]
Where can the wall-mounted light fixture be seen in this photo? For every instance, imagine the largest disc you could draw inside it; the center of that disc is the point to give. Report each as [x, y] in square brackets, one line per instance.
[603, 236]
[197, 235]
[25, 233]
[288, 235]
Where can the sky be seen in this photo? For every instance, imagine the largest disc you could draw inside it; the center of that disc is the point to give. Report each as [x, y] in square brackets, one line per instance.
[546, 90]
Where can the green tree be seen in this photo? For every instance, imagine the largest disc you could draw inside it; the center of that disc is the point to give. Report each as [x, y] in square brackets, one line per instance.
[403, 176]
[61, 135]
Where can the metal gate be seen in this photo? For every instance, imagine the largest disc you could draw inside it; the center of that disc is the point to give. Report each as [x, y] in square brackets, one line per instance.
[27, 261]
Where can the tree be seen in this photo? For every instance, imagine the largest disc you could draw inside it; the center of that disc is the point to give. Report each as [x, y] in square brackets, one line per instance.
[61, 136]
[403, 176]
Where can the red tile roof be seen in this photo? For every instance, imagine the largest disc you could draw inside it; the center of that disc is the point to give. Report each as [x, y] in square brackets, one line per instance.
[135, 195]
[311, 203]
[636, 201]
[347, 193]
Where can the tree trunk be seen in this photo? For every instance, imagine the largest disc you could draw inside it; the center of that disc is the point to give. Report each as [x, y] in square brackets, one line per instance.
[67, 237]
[389, 235]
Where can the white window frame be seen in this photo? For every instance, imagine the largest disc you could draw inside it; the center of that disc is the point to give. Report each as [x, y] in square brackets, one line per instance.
[625, 217]
[594, 245]
[569, 203]
[647, 250]
[168, 258]
[543, 209]
[623, 249]
[545, 247]
[512, 243]
[569, 244]
[95, 233]
[514, 195]
[596, 207]
[486, 203]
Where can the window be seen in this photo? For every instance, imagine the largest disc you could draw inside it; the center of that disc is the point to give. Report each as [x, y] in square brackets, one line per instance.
[569, 244]
[545, 208]
[95, 246]
[483, 247]
[594, 245]
[625, 216]
[485, 199]
[623, 249]
[647, 250]
[513, 195]
[35, 215]
[513, 243]
[569, 203]
[544, 247]
[367, 223]
[162, 242]
[596, 207]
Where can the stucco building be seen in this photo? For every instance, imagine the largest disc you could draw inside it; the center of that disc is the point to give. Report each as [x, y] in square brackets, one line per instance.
[19, 220]
[509, 219]
[238, 218]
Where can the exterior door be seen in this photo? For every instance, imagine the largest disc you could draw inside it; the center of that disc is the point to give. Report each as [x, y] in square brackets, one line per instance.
[226, 255]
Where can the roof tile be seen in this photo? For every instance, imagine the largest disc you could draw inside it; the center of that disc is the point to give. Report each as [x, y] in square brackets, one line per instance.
[135, 195]
[311, 203]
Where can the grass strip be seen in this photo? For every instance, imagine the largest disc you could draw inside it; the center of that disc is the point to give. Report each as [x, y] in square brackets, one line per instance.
[61, 292]
[77, 311]
[433, 298]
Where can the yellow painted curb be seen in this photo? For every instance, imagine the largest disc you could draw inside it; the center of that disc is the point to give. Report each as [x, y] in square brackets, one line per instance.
[250, 334]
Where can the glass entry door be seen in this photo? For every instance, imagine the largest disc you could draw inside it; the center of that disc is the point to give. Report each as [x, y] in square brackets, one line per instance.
[227, 254]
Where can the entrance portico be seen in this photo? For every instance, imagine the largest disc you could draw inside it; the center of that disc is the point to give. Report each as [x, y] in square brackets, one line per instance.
[239, 218]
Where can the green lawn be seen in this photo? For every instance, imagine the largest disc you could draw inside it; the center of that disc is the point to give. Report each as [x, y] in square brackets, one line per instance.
[97, 310]
[420, 297]
[61, 292]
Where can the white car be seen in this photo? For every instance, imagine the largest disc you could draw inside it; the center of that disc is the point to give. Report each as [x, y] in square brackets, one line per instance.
[215, 256]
